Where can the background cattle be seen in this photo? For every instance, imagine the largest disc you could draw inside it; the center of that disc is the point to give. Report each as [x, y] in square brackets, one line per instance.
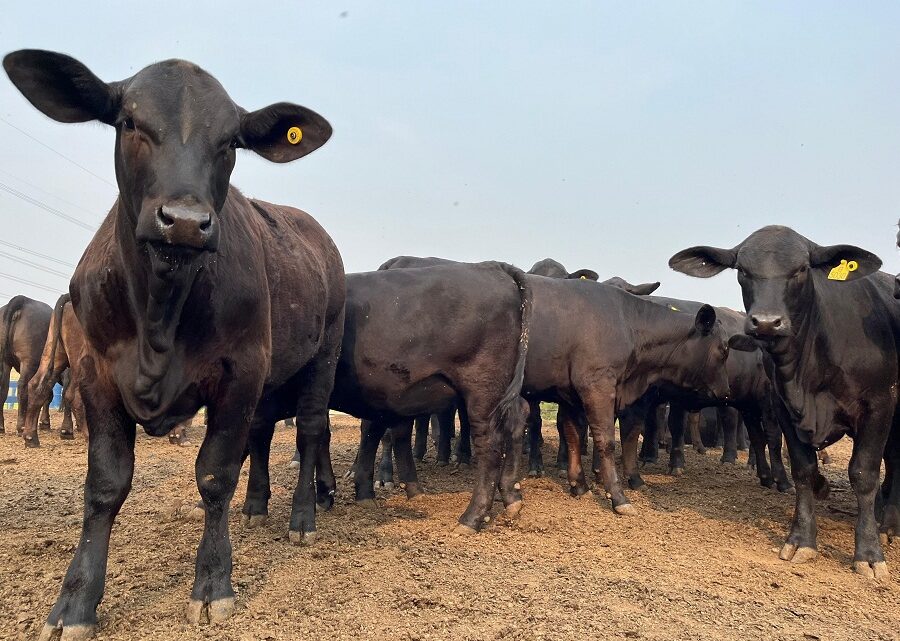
[23, 329]
[828, 321]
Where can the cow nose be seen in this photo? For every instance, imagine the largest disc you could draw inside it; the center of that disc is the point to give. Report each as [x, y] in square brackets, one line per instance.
[767, 324]
[185, 226]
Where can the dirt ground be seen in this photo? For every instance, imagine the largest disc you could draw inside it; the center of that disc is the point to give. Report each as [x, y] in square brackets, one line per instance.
[698, 562]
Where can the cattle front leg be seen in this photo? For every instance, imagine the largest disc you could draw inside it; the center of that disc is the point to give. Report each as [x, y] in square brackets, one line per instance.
[864, 472]
[630, 424]
[421, 441]
[443, 428]
[567, 423]
[599, 407]
[401, 433]
[386, 462]
[255, 511]
[693, 425]
[729, 419]
[677, 417]
[800, 545]
[108, 481]
[656, 416]
[364, 467]
[464, 443]
[757, 453]
[44, 420]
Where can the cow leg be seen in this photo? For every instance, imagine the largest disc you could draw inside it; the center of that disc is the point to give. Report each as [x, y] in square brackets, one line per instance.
[676, 429]
[650, 446]
[562, 451]
[401, 435]
[67, 429]
[728, 420]
[255, 511]
[567, 423]
[582, 433]
[693, 423]
[800, 545]
[599, 408]
[44, 420]
[443, 428]
[890, 489]
[421, 442]
[864, 472]
[108, 481]
[25, 373]
[774, 438]
[217, 468]
[289, 422]
[510, 487]
[742, 442]
[630, 424]
[464, 443]
[757, 453]
[535, 441]
[312, 435]
[371, 433]
[4, 393]
[386, 462]
[326, 483]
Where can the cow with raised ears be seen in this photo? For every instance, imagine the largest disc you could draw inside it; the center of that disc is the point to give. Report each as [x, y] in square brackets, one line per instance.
[827, 318]
[190, 294]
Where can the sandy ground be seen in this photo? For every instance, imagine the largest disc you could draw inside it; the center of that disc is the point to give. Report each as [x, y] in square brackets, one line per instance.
[699, 562]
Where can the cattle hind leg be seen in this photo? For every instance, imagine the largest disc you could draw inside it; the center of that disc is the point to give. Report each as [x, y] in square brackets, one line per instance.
[401, 435]
[889, 503]
[255, 511]
[510, 488]
[599, 408]
[4, 392]
[108, 481]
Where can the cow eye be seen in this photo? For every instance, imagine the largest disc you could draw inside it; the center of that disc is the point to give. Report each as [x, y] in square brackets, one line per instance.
[128, 124]
[235, 143]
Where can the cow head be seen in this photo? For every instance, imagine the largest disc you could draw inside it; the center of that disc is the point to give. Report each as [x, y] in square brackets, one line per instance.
[777, 269]
[554, 269]
[176, 134]
[701, 358]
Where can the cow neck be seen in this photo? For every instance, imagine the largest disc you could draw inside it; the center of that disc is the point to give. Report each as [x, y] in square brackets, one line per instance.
[157, 292]
[800, 359]
[652, 359]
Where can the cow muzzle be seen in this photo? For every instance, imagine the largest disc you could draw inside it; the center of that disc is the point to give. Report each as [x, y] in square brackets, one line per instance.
[767, 325]
[187, 227]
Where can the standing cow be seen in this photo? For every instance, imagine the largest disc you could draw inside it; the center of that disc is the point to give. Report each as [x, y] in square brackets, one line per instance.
[829, 322]
[23, 329]
[190, 294]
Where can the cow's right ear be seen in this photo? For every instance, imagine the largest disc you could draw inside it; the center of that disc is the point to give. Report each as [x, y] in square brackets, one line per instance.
[284, 131]
[742, 343]
[585, 274]
[645, 289]
[61, 87]
[703, 261]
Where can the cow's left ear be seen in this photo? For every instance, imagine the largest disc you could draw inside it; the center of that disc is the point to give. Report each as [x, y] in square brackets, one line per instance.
[586, 274]
[705, 320]
[703, 261]
[742, 343]
[851, 262]
[283, 132]
[644, 289]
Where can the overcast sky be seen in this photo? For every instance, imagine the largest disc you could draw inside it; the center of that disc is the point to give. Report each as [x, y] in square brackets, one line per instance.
[606, 135]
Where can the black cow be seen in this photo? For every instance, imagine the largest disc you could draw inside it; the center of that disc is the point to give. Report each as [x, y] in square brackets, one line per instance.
[190, 294]
[829, 322]
[597, 349]
[418, 339]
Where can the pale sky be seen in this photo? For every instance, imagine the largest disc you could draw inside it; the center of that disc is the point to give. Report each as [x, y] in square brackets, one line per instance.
[608, 135]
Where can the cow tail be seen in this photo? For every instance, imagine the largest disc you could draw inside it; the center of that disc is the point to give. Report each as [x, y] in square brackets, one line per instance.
[514, 390]
[10, 315]
[56, 323]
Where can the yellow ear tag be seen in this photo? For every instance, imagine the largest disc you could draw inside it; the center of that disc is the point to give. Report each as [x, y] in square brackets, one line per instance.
[294, 135]
[840, 272]
[673, 308]
[582, 277]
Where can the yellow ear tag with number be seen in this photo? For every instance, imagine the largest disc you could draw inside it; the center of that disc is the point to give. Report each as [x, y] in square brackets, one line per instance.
[840, 272]
[294, 135]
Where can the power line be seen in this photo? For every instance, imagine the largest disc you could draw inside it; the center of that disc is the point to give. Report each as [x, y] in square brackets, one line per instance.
[38, 254]
[28, 282]
[49, 193]
[45, 207]
[35, 265]
[61, 155]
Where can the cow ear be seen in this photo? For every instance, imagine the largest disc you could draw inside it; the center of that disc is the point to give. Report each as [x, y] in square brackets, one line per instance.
[858, 262]
[61, 87]
[284, 132]
[644, 289]
[705, 319]
[742, 343]
[703, 262]
[585, 274]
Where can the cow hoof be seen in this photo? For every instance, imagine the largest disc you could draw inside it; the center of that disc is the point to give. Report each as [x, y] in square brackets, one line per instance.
[31, 441]
[562, 473]
[215, 612]
[413, 490]
[295, 465]
[463, 530]
[885, 538]
[443, 463]
[626, 509]
[700, 450]
[387, 485]
[784, 487]
[67, 436]
[368, 504]
[767, 482]
[197, 513]
[514, 509]
[790, 552]
[727, 462]
[877, 570]
[535, 474]
[302, 538]
[251, 521]
[67, 633]
[635, 483]
[584, 496]
[44, 427]
[676, 471]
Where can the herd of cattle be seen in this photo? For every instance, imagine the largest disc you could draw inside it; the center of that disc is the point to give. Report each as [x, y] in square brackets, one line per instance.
[192, 295]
